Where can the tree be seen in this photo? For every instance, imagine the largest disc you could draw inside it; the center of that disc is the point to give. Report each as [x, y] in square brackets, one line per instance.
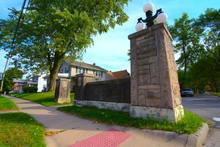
[187, 40]
[8, 79]
[211, 38]
[54, 28]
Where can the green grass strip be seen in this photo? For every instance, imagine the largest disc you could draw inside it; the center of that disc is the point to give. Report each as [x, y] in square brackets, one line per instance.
[215, 93]
[20, 129]
[44, 98]
[189, 124]
[7, 104]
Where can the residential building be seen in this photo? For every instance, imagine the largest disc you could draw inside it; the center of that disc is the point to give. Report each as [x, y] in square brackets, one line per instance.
[69, 69]
[20, 83]
[41, 82]
[117, 75]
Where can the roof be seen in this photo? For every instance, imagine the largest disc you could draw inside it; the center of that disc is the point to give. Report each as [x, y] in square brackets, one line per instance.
[117, 74]
[85, 65]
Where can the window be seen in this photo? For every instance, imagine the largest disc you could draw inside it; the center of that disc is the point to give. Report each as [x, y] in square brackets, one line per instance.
[61, 71]
[76, 69]
[80, 70]
[101, 74]
[94, 72]
[86, 70]
[67, 70]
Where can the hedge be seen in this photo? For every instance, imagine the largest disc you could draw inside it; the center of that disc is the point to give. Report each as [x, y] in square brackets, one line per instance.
[30, 89]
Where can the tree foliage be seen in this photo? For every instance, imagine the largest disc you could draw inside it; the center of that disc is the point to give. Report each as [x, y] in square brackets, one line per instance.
[52, 29]
[187, 40]
[8, 79]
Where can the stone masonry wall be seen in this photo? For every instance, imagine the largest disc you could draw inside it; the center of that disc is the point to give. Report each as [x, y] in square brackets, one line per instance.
[154, 80]
[106, 91]
[109, 91]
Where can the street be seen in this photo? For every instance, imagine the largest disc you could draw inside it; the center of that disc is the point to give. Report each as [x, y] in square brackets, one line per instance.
[207, 106]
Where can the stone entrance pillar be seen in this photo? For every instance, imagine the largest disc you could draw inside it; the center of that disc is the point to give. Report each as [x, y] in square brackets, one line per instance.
[62, 93]
[81, 81]
[154, 81]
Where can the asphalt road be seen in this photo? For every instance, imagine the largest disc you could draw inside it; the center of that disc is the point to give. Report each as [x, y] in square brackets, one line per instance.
[207, 106]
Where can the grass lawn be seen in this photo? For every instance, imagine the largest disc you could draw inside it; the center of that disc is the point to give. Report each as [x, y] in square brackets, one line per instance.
[7, 104]
[44, 98]
[20, 129]
[188, 124]
[215, 93]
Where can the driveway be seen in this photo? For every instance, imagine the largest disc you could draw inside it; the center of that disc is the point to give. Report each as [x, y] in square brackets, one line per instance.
[207, 106]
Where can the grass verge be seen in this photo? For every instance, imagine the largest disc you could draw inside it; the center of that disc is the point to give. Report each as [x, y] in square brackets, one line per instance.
[20, 129]
[7, 104]
[44, 98]
[188, 124]
[215, 93]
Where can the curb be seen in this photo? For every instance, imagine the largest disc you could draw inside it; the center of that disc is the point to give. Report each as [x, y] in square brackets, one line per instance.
[199, 138]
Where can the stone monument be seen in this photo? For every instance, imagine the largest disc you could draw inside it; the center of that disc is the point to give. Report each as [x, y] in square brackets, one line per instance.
[155, 88]
[81, 80]
[62, 93]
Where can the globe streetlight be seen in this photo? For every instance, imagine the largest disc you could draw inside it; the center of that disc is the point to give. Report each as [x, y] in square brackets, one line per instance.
[148, 8]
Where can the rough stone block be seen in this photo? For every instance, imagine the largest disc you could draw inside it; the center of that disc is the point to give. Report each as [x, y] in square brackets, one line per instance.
[154, 70]
[153, 103]
[153, 59]
[155, 81]
[152, 94]
[144, 67]
[141, 100]
[149, 87]
[147, 55]
[142, 62]
[141, 92]
[143, 80]
[144, 72]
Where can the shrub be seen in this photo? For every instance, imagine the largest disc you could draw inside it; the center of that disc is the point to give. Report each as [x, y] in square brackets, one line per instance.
[30, 89]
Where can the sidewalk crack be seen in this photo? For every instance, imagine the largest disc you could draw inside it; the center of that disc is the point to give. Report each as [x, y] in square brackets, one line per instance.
[186, 140]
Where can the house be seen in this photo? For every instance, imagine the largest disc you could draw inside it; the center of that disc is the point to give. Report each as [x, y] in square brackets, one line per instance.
[69, 69]
[117, 75]
[20, 83]
[41, 82]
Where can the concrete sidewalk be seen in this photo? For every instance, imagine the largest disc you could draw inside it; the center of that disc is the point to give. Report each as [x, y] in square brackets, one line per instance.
[79, 129]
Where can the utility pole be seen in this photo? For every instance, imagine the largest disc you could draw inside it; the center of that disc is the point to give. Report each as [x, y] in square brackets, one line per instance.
[11, 46]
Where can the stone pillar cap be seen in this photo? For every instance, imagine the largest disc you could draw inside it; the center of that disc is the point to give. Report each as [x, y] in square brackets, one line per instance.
[150, 29]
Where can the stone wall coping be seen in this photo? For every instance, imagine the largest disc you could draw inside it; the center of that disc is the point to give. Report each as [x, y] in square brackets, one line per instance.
[150, 29]
[62, 79]
[85, 75]
[109, 81]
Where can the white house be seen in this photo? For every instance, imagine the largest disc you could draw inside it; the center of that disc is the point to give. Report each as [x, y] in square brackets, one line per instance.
[42, 83]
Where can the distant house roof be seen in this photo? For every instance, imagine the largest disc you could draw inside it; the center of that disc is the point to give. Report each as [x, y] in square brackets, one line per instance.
[118, 74]
[24, 81]
[85, 65]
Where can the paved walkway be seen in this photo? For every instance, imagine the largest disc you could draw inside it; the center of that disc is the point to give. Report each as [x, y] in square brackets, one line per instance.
[79, 129]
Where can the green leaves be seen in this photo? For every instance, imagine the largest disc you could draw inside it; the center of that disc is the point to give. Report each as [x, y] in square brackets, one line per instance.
[52, 29]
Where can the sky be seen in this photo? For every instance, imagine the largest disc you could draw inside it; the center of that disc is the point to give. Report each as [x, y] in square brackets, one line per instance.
[110, 49]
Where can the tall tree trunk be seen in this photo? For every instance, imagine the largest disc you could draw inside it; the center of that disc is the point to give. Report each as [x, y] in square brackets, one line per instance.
[54, 73]
[185, 63]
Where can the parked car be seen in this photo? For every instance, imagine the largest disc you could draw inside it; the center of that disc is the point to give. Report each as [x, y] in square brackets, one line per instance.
[44, 90]
[187, 91]
[200, 92]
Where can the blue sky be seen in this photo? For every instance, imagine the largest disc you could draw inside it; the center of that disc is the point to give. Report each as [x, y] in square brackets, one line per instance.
[110, 49]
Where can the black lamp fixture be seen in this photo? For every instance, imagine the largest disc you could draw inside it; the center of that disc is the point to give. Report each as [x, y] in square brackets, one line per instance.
[148, 8]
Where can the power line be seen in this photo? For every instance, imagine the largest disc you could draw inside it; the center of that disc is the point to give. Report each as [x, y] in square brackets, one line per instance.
[12, 46]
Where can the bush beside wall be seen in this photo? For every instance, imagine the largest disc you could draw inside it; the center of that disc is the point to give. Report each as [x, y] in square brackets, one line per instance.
[30, 89]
